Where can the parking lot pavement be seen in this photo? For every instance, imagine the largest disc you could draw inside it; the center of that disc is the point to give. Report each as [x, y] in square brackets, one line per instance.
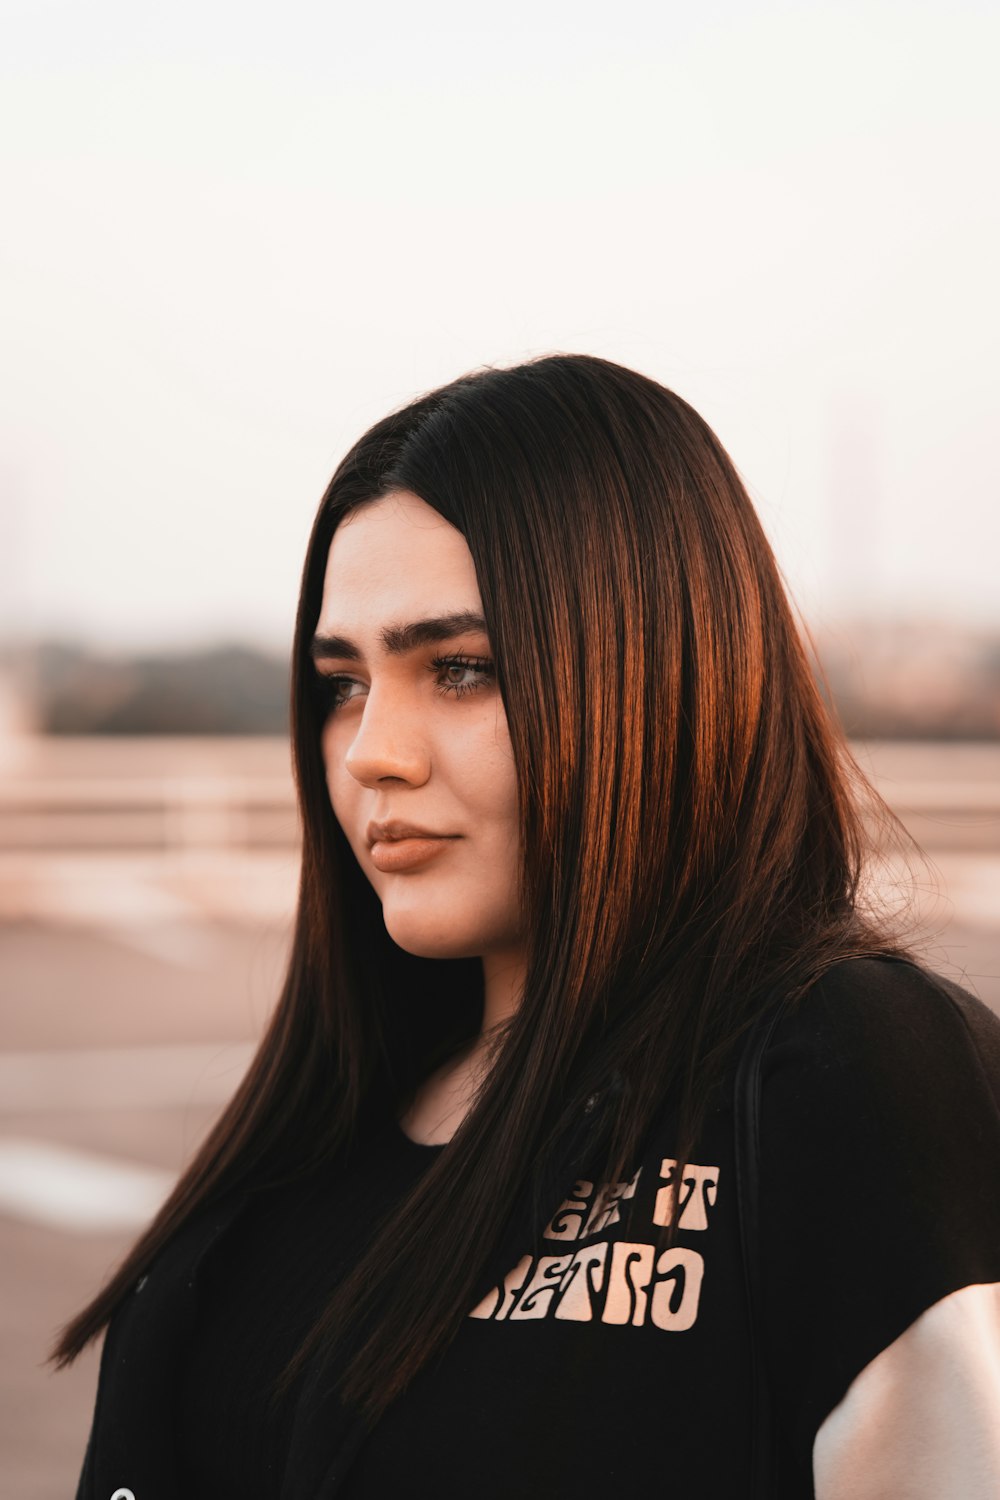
[50, 1269]
[118, 1051]
[70, 984]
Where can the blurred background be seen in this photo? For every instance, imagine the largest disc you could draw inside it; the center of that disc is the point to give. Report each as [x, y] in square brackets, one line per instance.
[234, 237]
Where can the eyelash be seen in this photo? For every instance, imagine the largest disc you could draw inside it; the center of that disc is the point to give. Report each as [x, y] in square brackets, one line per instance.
[327, 683]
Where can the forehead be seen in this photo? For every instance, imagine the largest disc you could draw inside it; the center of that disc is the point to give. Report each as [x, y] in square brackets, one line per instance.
[394, 551]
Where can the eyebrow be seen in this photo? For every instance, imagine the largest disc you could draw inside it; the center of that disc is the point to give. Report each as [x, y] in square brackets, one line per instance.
[397, 640]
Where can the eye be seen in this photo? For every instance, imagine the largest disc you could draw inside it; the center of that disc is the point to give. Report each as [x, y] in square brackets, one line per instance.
[478, 665]
[333, 692]
[328, 688]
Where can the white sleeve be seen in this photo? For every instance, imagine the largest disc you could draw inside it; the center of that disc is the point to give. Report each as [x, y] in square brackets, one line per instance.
[922, 1420]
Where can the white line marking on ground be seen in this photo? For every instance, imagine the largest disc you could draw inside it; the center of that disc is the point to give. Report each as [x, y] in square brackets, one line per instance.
[187, 947]
[75, 1190]
[160, 1077]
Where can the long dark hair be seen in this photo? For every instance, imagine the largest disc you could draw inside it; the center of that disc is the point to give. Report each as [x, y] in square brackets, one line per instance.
[691, 826]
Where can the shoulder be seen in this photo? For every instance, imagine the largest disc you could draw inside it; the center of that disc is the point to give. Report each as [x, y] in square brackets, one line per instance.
[879, 1163]
[888, 1030]
[887, 997]
[880, 1121]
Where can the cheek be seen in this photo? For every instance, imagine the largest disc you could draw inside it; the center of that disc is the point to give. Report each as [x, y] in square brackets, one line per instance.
[498, 784]
[342, 787]
[487, 765]
[329, 764]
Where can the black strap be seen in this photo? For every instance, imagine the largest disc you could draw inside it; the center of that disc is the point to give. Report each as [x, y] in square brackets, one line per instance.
[746, 1128]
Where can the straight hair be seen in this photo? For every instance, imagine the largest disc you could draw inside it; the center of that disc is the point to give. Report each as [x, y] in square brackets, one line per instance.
[693, 838]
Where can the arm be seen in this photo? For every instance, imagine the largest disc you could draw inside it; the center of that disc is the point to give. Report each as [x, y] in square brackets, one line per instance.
[922, 1420]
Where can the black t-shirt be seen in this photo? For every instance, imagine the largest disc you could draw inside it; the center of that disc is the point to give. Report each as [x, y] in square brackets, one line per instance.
[258, 1295]
[599, 1361]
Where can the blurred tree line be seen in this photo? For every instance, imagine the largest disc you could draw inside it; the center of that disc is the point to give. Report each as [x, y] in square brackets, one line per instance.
[226, 689]
[884, 680]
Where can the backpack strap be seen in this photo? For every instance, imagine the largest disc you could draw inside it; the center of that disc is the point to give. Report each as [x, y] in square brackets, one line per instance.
[746, 1129]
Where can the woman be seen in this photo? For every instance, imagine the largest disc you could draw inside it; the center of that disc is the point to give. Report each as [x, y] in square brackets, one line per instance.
[576, 830]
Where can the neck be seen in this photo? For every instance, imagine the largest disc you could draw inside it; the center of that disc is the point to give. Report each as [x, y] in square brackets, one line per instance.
[442, 1101]
[503, 986]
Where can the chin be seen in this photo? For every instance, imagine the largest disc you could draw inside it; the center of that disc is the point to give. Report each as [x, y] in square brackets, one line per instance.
[426, 940]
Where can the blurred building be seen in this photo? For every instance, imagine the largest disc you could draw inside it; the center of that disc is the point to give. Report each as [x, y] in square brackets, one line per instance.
[913, 680]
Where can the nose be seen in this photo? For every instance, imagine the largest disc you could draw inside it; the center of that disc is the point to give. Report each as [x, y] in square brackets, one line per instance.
[390, 743]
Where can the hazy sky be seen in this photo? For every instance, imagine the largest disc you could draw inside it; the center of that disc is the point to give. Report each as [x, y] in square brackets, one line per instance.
[235, 235]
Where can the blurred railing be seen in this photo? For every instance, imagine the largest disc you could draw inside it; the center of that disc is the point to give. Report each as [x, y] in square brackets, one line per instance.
[164, 796]
[166, 813]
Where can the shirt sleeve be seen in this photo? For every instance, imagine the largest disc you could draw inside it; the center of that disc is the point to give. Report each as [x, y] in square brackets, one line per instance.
[880, 1233]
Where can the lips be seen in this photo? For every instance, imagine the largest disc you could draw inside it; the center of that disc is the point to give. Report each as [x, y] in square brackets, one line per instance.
[394, 830]
[407, 853]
